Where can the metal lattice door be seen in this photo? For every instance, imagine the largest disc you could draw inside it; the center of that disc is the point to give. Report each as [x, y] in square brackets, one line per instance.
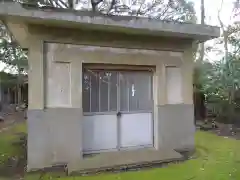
[117, 109]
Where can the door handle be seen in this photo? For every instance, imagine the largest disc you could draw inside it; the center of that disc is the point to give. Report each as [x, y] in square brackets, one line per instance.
[119, 114]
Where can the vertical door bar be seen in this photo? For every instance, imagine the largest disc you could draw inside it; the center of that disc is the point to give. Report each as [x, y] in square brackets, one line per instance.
[128, 94]
[90, 96]
[99, 91]
[152, 92]
[109, 89]
[118, 110]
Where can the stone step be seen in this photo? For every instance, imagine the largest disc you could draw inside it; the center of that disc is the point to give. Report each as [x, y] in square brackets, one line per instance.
[121, 159]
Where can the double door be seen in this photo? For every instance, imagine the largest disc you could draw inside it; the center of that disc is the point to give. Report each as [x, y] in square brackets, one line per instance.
[117, 109]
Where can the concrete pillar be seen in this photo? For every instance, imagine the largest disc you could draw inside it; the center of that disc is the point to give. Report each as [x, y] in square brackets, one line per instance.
[54, 133]
[187, 76]
[176, 121]
[160, 99]
[36, 75]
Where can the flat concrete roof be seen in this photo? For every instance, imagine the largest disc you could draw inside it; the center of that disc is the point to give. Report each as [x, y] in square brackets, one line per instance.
[126, 24]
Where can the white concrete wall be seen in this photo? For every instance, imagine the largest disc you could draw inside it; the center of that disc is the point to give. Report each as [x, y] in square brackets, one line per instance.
[58, 83]
[174, 85]
[66, 56]
[69, 58]
[180, 85]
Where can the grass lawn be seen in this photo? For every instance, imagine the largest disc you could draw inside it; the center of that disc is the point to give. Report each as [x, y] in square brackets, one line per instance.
[218, 159]
[6, 139]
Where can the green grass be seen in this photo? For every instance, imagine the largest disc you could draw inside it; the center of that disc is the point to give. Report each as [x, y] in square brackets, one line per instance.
[6, 139]
[218, 159]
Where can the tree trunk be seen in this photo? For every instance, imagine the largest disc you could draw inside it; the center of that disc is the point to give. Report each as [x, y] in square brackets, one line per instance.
[231, 88]
[70, 4]
[8, 96]
[15, 96]
[19, 94]
[225, 35]
[95, 4]
[201, 53]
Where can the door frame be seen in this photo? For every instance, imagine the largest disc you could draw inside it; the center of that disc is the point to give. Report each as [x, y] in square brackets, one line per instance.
[117, 70]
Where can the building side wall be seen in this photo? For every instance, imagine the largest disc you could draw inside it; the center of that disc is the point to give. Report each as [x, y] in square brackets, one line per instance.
[58, 126]
[54, 137]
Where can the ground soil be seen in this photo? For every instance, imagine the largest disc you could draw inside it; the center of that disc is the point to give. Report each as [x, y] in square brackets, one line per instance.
[226, 130]
[10, 118]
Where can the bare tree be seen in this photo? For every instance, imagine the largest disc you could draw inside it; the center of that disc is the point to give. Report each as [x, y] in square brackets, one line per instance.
[236, 9]
[224, 33]
[227, 32]
[172, 10]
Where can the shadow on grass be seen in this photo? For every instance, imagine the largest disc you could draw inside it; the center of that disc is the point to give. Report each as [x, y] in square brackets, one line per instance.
[201, 151]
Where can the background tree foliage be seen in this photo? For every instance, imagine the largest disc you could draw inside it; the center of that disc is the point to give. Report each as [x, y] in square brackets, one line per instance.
[10, 52]
[15, 59]
[173, 10]
[220, 80]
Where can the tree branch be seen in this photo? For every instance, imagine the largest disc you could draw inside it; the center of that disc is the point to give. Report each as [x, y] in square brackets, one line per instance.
[70, 4]
[225, 34]
[94, 4]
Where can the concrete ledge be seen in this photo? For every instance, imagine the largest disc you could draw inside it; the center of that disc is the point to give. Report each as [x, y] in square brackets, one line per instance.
[128, 24]
[123, 158]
